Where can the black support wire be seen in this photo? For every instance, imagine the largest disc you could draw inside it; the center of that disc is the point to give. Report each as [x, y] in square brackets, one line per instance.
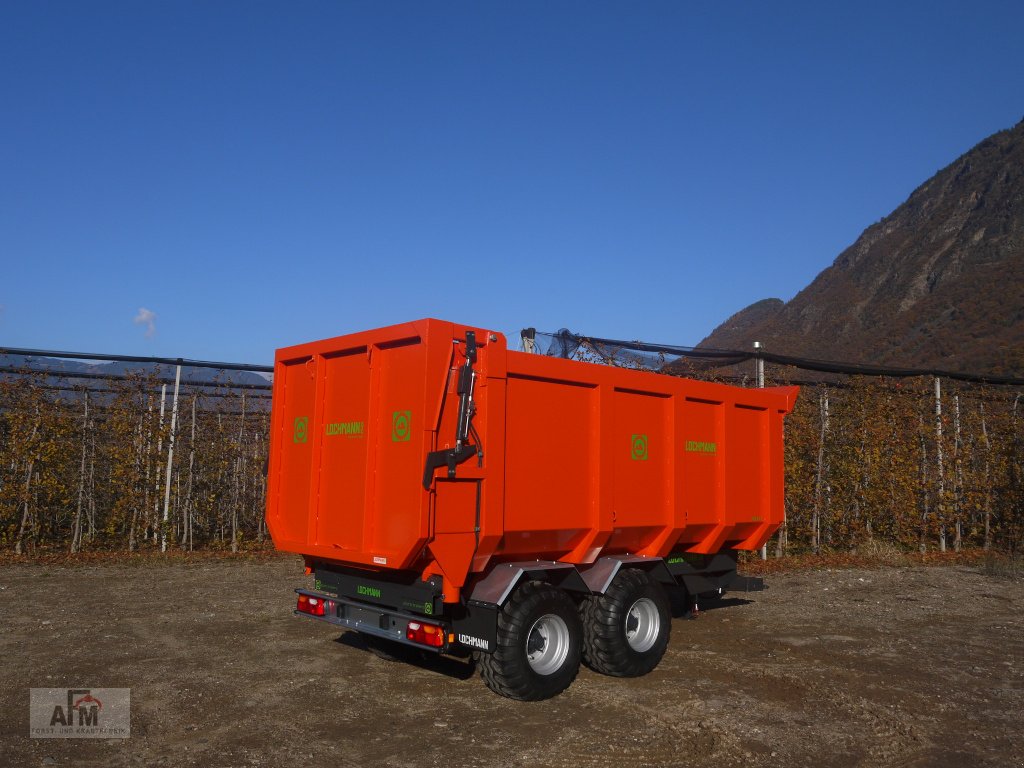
[187, 391]
[565, 343]
[56, 373]
[183, 362]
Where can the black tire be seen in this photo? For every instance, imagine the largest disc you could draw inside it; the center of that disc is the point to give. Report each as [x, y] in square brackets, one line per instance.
[540, 638]
[626, 630]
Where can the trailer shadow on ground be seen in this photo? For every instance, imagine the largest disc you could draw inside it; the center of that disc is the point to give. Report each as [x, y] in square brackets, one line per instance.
[459, 669]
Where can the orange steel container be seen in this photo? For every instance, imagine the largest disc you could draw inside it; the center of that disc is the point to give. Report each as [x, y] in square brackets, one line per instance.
[576, 460]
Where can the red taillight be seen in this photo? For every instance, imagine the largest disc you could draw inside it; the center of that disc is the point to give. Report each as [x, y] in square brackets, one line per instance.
[425, 634]
[314, 606]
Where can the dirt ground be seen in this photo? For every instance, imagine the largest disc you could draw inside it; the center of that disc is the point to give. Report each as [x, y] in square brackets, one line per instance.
[919, 666]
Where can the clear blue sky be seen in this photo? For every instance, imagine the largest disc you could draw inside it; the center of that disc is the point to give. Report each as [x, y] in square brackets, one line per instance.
[261, 174]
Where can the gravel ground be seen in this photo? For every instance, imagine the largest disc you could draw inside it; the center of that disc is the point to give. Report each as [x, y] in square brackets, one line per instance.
[908, 666]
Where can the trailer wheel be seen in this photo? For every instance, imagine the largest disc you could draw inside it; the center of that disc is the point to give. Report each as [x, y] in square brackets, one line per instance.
[539, 644]
[626, 630]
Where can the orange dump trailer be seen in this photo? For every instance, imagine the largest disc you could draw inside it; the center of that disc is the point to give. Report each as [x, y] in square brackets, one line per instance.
[451, 494]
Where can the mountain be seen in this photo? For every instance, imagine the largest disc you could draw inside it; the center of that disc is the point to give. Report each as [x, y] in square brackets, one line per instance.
[939, 283]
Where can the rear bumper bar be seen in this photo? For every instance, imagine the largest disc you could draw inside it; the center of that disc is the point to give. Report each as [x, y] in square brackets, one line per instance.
[370, 619]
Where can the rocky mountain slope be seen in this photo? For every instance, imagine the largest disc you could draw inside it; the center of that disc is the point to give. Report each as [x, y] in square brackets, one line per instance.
[938, 283]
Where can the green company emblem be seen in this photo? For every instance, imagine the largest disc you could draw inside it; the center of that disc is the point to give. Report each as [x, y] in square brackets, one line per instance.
[412, 605]
[639, 447]
[319, 586]
[367, 591]
[301, 429]
[696, 446]
[400, 429]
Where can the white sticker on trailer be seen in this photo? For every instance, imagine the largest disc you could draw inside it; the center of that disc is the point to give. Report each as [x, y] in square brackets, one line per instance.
[380, 560]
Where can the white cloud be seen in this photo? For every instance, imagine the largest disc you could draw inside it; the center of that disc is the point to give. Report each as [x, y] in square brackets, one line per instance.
[147, 318]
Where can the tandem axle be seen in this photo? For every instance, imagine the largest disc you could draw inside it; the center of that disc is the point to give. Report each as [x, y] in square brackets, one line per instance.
[408, 611]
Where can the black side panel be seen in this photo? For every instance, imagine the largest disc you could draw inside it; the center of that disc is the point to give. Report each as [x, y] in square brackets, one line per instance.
[702, 573]
[403, 591]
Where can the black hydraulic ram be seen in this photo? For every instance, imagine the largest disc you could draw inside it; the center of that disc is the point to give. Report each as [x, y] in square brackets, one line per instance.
[463, 450]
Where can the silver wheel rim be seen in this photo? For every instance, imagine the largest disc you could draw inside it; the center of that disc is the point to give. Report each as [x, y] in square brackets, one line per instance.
[547, 644]
[642, 625]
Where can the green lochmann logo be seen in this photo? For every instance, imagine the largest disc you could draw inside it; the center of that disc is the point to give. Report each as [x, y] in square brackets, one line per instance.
[346, 428]
[301, 430]
[368, 591]
[401, 427]
[696, 446]
[639, 448]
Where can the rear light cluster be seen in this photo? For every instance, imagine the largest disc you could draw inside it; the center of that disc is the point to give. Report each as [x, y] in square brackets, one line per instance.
[314, 606]
[425, 634]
